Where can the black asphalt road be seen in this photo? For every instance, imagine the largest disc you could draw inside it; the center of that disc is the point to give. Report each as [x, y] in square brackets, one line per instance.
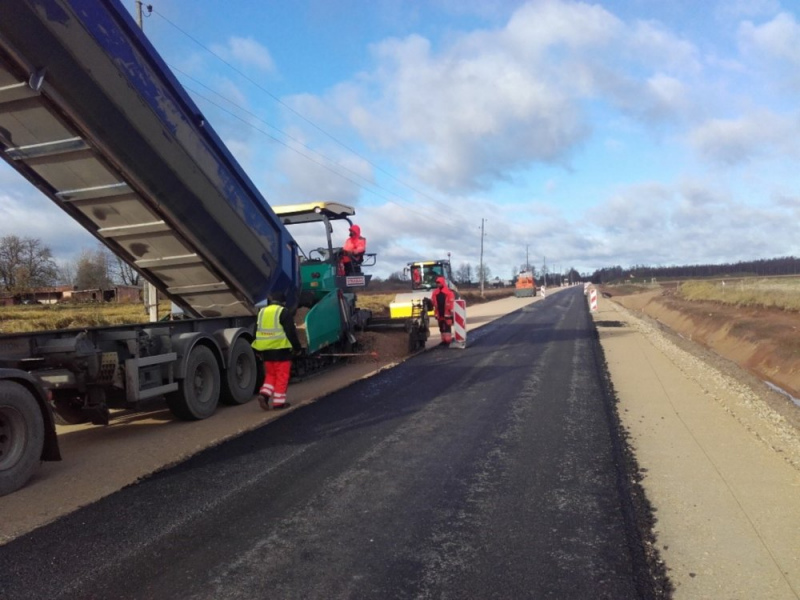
[498, 471]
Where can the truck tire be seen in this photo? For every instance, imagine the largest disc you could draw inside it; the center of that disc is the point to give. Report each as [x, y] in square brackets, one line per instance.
[198, 393]
[241, 375]
[21, 436]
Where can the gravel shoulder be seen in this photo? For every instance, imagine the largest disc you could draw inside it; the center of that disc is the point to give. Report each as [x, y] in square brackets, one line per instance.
[719, 456]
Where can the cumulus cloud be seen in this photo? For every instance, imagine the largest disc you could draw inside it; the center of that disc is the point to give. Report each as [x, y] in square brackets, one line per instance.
[246, 52]
[26, 212]
[329, 175]
[652, 43]
[779, 38]
[493, 102]
[734, 141]
[692, 223]
[746, 8]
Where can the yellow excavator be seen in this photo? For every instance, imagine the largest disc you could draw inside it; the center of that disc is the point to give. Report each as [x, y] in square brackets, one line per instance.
[423, 276]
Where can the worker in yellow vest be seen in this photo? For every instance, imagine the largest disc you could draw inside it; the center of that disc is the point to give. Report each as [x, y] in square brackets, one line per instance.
[275, 344]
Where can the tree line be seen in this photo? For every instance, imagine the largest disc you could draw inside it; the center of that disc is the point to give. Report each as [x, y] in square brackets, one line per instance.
[787, 265]
[465, 275]
[27, 264]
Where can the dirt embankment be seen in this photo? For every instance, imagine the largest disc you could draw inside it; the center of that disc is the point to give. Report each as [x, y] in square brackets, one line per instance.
[764, 342]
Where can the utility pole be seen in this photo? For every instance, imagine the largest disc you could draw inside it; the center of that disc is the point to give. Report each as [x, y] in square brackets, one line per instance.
[480, 274]
[527, 263]
[544, 271]
[139, 20]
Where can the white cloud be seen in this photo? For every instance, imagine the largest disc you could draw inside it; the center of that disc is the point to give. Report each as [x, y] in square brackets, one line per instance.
[761, 134]
[688, 223]
[651, 43]
[328, 174]
[26, 212]
[493, 102]
[246, 51]
[779, 38]
[746, 8]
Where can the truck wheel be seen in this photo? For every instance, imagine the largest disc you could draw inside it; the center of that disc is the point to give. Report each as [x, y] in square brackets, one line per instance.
[198, 394]
[21, 436]
[240, 377]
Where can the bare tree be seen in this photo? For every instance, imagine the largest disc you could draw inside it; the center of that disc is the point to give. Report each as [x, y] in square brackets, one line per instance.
[463, 274]
[92, 270]
[25, 263]
[124, 273]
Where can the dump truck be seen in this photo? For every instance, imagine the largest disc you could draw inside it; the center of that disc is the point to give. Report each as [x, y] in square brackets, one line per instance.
[93, 118]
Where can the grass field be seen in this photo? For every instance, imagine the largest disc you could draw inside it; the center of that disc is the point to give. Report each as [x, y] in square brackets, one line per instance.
[782, 293]
[38, 317]
[379, 303]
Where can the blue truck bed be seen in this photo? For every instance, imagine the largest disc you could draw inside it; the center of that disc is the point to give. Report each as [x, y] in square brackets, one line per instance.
[91, 115]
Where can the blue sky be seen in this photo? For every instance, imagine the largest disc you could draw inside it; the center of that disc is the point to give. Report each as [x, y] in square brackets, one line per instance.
[630, 132]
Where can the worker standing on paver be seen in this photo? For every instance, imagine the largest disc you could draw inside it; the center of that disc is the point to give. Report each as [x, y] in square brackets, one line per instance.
[276, 342]
[444, 301]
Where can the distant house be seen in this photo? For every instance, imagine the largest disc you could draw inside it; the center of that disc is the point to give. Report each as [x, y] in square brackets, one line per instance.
[66, 293]
[120, 294]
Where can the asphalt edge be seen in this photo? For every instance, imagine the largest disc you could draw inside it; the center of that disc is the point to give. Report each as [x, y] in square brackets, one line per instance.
[638, 512]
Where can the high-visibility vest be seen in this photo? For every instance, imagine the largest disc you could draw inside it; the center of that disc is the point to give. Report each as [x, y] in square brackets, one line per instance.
[269, 333]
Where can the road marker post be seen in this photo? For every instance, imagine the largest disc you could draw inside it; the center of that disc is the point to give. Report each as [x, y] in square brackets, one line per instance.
[459, 325]
[593, 300]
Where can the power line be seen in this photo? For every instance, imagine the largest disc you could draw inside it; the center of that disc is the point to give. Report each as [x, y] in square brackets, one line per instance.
[281, 142]
[301, 116]
[364, 186]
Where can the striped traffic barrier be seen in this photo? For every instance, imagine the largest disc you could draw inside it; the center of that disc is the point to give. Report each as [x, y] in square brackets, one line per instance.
[592, 299]
[459, 325]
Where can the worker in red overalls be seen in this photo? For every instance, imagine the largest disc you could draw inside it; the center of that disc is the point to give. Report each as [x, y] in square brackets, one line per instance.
[353, 252]
[444, 302]
[275, 344]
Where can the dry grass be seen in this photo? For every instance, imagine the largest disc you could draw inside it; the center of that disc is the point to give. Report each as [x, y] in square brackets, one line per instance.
[38, 317]
[781, 293]
[20, 319]
[378, 303]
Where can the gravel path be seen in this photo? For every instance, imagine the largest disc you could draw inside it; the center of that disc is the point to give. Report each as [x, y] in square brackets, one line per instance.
[719, 465]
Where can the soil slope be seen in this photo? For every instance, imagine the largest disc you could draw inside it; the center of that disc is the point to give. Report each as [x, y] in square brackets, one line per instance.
[763, 342]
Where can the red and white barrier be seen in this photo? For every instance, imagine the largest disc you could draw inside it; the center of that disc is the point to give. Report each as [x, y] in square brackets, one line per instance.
[592, 299]
[459, 325]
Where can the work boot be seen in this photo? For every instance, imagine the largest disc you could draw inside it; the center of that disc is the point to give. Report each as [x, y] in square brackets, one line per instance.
[263, 402]
[281, 406]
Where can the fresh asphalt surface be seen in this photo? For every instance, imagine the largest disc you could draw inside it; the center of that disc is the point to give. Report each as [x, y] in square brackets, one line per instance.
[498, 471]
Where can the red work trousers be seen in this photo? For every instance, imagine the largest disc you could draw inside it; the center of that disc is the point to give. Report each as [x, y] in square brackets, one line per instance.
[445, 329]
[276, 380]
